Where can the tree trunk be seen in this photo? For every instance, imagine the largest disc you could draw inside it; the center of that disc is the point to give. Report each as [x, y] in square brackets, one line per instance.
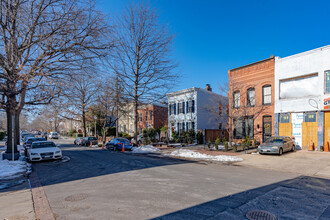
[135, 117]
[10, 133]
[84, 121]
[17, 128]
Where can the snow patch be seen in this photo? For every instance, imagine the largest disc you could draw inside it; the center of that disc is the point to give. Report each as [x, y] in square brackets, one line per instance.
[144, 149]
[13, 169]
[192, 154]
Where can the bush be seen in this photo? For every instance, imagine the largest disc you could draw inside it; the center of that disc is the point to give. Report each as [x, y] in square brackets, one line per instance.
[183, 137]
[72, 132]
[226, 146]
[199, 137]
[175, 136]
[217, 143]
[246, 142]
[80, 135]
[209, 143]
[125, 135]
[99, 145]
[191, 136]
[234, 147]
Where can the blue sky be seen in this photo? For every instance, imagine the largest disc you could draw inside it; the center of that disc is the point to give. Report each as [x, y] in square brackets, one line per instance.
[213, 36]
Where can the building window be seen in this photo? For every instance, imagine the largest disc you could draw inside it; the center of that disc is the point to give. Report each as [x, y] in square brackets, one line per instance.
[146, 116]
[236, 99]
[193, 126]
[327, 82]
[183, 124]
[150, 115]
[243, 128]
[140, 118]
[284, 118]
[181, 107]
[174, 108]
[310, 117]
[251, 97]
[220, 109]
[267, 95]
[169, 109]
[191, 106]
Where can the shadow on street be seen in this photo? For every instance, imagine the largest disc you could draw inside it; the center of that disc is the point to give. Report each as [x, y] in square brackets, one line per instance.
[303, 197]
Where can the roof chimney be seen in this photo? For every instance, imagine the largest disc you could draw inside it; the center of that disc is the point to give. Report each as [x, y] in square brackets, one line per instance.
[208, 87]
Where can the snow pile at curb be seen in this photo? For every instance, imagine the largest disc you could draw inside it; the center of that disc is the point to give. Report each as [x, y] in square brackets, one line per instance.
[144, 149]
[196, 155]
[12, 169]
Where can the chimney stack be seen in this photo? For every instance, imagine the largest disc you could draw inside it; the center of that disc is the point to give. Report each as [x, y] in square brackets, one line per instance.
[208, 87]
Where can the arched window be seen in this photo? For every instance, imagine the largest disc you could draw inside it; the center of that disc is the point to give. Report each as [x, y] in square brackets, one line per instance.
[250, 97]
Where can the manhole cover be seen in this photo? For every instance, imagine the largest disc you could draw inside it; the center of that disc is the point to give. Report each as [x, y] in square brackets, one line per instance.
[260, 215]
[76, 197]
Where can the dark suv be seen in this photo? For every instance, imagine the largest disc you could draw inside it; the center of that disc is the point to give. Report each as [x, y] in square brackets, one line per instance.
[86, 141]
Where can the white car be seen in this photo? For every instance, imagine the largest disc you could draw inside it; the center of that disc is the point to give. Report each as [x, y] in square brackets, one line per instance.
[43, 150]
[53, 135]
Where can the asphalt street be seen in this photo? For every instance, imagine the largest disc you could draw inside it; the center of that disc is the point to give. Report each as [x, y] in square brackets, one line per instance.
[98, 184]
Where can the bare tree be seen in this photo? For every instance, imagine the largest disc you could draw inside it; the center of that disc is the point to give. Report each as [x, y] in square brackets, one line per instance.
[39, 41]
[81, 93]
[142, 56]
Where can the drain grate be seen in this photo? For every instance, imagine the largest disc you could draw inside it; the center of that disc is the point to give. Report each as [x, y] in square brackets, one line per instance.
[260, 215]
[76, 197]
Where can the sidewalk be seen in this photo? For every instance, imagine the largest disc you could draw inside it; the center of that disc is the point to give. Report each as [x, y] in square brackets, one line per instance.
[16, 203]
[311, 163]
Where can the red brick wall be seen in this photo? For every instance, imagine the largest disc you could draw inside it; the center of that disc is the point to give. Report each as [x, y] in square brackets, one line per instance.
[254, 75]
[159, 116]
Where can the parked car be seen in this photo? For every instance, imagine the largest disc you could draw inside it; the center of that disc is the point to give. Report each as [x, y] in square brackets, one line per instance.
[27, 136]
[117, 144]
[86, 141]
[53, 135]
[140, 138]
[277, 145]
[43, 150]
[78, 141]
[29, 142]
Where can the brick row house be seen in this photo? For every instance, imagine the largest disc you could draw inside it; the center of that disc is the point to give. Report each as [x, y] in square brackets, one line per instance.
[251, 100]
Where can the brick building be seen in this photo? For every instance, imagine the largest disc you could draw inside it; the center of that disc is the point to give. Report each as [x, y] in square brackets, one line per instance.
[151, 116]
[251, 100]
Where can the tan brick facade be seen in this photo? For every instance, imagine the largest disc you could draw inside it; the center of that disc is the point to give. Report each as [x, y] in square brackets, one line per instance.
[258, 79]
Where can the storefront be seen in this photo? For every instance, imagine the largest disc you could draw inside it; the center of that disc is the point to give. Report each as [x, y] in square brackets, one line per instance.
[302, 126]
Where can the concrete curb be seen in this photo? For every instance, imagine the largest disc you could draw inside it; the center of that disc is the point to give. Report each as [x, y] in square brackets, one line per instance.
[41, 205]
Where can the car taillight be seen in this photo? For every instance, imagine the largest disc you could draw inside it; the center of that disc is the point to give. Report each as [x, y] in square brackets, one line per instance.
[119, 143]
[130, 143]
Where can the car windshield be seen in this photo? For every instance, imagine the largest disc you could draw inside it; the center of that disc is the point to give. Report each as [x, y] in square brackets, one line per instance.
[92, 138]
[29, 141]
[122, 140]
[275, 140]
[43, 145]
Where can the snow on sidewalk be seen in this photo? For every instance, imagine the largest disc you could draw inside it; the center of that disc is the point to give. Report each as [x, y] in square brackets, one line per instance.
[196, 155]
[13, 169]
[144, 149]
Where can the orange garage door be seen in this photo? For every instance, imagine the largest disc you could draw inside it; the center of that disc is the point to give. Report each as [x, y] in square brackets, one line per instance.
[309, 130]
[326, 127]
[285, 125]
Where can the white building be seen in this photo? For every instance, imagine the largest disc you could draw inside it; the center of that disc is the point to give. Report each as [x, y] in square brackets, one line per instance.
[196, 109]
[302, 86]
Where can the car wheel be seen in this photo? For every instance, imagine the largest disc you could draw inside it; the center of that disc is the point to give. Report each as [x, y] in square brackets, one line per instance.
[280, 152]
[293, 148]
